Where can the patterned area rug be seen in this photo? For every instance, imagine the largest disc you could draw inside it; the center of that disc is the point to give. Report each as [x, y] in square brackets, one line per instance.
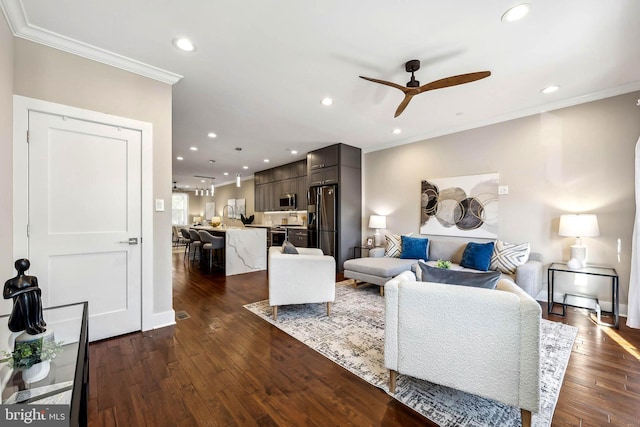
[353, 337]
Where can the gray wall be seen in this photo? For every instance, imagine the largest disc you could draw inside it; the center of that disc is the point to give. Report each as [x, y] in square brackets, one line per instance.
[52, 75]
[577, 159]
[6, 151]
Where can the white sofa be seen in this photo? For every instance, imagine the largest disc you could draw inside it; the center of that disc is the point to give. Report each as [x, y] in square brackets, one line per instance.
[378, 269]
[306, 277]
[482, 341]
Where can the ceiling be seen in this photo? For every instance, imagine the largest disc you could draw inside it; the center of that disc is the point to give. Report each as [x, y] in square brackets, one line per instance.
[261, 68]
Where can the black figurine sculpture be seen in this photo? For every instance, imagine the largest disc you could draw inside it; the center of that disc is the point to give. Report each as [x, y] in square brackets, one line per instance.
[27, 304]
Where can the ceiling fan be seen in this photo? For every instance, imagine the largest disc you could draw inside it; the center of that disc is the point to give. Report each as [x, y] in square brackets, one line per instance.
[413, 86]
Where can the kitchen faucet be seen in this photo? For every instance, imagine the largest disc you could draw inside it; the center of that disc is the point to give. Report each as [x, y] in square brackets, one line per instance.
[232, 211]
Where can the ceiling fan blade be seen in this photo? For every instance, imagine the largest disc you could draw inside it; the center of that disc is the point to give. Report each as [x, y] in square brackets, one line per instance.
[454, 81]
[386, 83]
[403, 104]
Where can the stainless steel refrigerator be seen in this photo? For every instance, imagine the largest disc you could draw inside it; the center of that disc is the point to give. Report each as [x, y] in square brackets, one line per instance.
[322, 215]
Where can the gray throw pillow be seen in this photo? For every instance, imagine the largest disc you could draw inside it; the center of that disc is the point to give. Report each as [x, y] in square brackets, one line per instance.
[487, 280]
[288, 248]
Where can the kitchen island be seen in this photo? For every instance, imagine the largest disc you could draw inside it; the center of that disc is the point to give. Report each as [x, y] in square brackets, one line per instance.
[244, 248]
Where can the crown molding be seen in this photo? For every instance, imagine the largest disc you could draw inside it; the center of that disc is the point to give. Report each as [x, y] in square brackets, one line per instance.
[20, 27]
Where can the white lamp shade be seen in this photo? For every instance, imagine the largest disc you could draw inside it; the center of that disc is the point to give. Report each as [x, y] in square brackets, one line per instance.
[377, 221]
[579, 225]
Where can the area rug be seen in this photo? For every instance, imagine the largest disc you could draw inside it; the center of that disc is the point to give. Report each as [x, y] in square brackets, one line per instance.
[353, 337]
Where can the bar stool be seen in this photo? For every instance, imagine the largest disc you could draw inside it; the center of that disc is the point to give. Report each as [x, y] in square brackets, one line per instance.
[187, 238]
[210, 243]
[195, 242]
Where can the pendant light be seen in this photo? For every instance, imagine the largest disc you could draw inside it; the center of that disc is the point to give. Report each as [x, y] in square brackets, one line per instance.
[213, 187]
[238, 182]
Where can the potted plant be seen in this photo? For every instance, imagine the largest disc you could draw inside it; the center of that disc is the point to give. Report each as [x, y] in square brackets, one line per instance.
[443, 264]
[32, 357]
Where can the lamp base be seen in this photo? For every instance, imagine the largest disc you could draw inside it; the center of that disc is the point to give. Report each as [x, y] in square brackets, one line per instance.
[578, 257]
[377, 239]
[575, 264]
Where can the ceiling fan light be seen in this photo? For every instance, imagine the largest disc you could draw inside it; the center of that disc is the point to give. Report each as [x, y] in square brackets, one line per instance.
[516, 13]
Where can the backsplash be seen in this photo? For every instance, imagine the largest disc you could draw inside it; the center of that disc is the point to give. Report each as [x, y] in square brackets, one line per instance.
[291, 218]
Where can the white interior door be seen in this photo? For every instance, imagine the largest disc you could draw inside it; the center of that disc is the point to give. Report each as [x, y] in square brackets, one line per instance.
[84, 207]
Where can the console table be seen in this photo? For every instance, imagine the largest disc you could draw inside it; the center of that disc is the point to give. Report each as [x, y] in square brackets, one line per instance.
[63, 393]
[609, 272]
[360, 249]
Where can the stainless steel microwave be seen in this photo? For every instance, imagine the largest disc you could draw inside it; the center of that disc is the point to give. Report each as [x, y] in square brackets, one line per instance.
[287, 202]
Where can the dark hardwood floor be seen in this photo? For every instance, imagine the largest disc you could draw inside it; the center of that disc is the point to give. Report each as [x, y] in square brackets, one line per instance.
[222, 365]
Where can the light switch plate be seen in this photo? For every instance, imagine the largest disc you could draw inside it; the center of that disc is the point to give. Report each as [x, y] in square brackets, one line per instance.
[503, 189]
[159, 205]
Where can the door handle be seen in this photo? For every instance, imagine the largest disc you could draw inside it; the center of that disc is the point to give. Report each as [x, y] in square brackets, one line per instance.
[131, 241]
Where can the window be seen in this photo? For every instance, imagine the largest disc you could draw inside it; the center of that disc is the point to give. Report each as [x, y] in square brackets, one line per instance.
[179, 208]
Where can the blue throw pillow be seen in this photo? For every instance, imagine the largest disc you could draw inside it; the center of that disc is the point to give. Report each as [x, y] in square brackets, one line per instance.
[477, 256]
[414, 248]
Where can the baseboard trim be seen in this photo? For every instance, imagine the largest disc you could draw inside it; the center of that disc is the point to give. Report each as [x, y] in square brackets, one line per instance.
[167, 318]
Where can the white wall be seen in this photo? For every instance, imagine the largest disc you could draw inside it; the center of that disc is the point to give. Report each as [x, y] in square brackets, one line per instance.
[6, 152]
[44, 73]
[577, 159]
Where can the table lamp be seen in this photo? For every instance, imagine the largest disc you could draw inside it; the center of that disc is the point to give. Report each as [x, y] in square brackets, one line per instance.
[378, 222]
[578, 226]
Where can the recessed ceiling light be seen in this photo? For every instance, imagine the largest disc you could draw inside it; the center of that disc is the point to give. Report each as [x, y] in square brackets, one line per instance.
[193, 148]
[397, 131]
[266, 160]
[202, 180]
[516, 13]
[184, 43]
[327, 101]
[179, 158]
[226, 173]
[186, 186]
[211, 135]
[550, 89]
[294, 152]
[245, 167]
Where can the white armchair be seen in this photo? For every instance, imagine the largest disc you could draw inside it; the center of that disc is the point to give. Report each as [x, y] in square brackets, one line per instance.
[481, 341]
[306, 277]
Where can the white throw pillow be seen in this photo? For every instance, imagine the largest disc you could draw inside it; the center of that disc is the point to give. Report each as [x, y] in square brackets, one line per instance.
[507, 257]
[394, 245]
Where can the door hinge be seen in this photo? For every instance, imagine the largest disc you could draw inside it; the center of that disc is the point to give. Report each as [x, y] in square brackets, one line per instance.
[27, 230]
[27, 136]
